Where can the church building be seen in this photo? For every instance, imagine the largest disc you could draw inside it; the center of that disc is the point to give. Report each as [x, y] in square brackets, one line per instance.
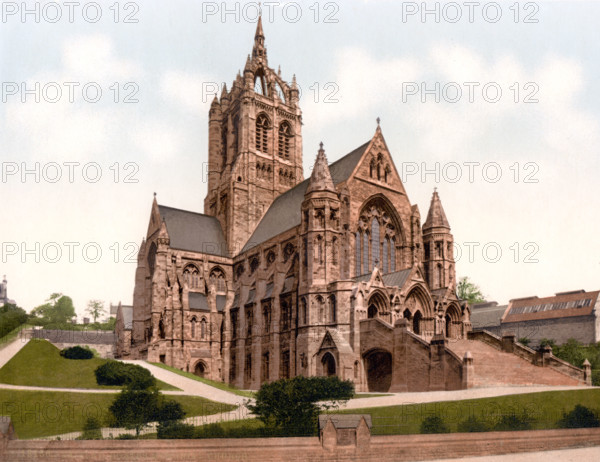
[283, 276]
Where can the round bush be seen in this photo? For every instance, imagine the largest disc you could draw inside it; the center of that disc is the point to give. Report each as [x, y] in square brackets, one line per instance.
[76, 352]
[118, 373]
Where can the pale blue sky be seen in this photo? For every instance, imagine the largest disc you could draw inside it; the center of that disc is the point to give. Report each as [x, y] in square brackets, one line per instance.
[172, 53]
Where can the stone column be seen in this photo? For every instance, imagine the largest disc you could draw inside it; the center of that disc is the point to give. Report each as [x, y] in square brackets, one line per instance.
[467, 371]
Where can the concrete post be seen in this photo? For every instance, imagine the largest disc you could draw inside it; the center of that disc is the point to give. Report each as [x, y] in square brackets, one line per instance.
[587, 372]
[467, 371]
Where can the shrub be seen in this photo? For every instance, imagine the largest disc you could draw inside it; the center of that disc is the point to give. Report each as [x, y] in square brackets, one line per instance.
[91, 429]
[77, 352]
[118, 373]
[125, 436]
[514, 422]
[174, 431]
[471, 425]
[524, 341]
[434, 424]
[579, 417]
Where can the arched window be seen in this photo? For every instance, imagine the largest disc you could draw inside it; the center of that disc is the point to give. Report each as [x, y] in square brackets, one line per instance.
[440, 275]
[152, 258]
[303, 313]
[374, 243]
[193, 328]
[203, 328]
[319, 244]
[285, 135]
[191, 276]
[365, 253]
[262, 128]
[393, 255]
[358, 268]
[217, 278]
[417, 323]
[384, 256]
[332, 314]
[321, 305]
[334, 251]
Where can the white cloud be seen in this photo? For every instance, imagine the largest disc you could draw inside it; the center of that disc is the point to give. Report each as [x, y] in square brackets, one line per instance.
[193, 92]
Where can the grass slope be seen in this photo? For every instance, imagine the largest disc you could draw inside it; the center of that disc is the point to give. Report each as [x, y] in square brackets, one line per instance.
[212, 383]
[546, 408]
[13, 334]
[39, 364]
[43, 413]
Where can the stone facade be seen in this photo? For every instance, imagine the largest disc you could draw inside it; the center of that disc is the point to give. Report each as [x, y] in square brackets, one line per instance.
[284, 276]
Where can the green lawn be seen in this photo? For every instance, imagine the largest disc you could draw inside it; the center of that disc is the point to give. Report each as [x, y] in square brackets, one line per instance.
[546, 408]
[39, 364]
[42, 413]
[212, 383]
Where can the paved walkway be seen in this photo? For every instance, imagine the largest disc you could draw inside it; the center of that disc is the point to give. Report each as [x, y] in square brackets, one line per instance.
[8, 351]
[456, 395]
[191, 386]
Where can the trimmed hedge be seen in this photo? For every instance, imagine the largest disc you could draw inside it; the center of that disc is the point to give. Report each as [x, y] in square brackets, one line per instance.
[118, 373]
[77, 352]
[579, 417]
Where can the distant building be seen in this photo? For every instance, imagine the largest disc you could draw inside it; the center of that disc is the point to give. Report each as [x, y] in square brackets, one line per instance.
[563, 316]
[4, 293]
[123, 328]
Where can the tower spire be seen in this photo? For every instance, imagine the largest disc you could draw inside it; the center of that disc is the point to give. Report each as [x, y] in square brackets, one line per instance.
[320, 179]
[436, 217]
[259, 50]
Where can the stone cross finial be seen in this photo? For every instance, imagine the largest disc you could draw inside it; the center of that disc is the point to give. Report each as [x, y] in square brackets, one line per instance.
[378, 120]
[321, 145]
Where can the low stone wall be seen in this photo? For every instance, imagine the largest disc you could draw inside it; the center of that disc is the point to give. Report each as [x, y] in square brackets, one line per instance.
[381, 448]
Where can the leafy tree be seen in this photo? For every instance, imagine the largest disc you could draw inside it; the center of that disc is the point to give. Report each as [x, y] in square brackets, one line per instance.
[11, 317]
[572, 352]
[294, 404]
[434, 424]
[579, 417]
[57, 310]
[169, 417]
[135, 408]
[548, 342]
[469, 291]
[95, 308]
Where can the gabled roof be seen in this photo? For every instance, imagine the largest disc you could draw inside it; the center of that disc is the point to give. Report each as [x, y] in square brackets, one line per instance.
[285, 211]
[344, 420]
[194, 231]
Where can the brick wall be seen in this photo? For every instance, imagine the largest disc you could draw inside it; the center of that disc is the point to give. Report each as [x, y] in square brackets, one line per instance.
[382, 448]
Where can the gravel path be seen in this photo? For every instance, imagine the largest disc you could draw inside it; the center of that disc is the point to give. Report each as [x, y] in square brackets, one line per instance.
[7, 352]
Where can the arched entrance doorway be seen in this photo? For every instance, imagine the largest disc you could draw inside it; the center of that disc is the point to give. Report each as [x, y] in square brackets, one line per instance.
[448, 325]
[328, 363]
[417, 323]
[379, 370]
[372, 312]
[200, 369]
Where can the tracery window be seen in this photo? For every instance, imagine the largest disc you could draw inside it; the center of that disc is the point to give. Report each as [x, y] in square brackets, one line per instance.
[375, 240]
[217, 278]
[285, 136]
[262, 128]
[191, 276]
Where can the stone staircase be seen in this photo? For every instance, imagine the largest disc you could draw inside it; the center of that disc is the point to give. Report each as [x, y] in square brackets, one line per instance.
[493, 367]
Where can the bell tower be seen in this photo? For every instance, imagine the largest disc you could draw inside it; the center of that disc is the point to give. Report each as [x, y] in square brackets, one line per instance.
[254, 146]
[438, 247]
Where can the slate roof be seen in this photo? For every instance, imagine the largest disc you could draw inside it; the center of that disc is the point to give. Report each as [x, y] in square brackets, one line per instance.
[194, 231]
[127, 311]
[487, 316]
[199, 302]
[344, 420]
[285, 211]
[396, 279]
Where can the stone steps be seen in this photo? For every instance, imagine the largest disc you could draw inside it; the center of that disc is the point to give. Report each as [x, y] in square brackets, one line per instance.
[493, 367]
